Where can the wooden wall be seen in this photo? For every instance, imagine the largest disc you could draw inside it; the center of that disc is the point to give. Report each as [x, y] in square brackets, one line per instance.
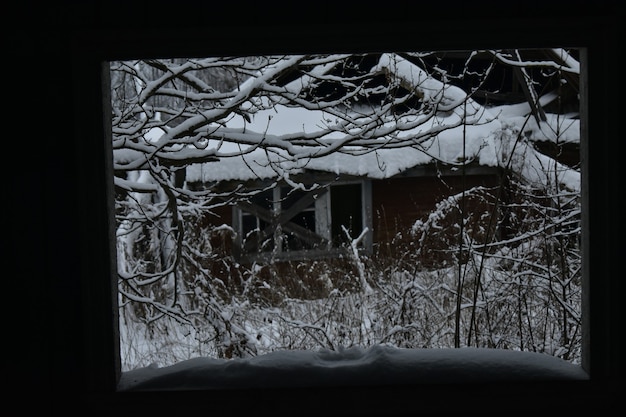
[399, 202]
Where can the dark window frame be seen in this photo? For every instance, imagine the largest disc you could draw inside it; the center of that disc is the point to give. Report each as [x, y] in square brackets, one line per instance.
[88, 288]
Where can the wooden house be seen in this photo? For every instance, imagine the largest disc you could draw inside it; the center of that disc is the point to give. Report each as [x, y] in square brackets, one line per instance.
[281, 210]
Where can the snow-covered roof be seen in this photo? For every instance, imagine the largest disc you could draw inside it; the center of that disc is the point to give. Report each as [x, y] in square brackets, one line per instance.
[464, 131]
[486, 143]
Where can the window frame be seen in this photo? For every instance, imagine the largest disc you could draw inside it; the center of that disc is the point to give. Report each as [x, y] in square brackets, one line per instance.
[99, 360]
[323, 224]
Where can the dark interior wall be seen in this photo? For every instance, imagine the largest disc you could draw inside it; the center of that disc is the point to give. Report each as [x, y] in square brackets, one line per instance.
[60, 335]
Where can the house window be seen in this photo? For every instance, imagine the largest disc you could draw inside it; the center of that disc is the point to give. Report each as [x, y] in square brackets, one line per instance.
[287, 223]
[301, 223]
[346, 201]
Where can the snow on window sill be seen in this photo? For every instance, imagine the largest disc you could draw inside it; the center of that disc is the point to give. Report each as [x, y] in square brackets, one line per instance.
[377, 365]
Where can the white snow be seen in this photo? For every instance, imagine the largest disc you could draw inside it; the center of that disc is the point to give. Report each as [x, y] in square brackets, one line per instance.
[377, 365]
[489, 138]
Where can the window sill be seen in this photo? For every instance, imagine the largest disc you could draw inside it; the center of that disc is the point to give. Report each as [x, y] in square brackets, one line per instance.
[379, 365]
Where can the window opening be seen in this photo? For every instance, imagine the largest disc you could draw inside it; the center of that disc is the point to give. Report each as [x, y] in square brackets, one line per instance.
[219, 158]
[346, 212]
[291, 223]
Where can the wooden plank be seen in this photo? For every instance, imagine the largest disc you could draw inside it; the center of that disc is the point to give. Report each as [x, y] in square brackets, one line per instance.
[283, 220]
